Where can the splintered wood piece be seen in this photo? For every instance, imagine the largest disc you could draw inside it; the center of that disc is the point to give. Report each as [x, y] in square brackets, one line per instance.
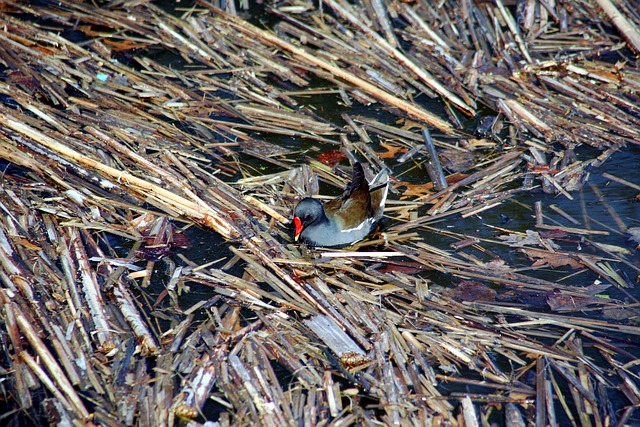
[91, 290]
[349, 353]
[55, 371]
[434, 169]
[626, 27]
[196, 390]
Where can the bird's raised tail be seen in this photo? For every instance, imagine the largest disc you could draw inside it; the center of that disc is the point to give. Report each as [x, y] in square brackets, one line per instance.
[359, 188]
[378, 190]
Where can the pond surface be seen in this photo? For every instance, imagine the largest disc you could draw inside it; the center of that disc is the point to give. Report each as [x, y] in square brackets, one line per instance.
[604, 206]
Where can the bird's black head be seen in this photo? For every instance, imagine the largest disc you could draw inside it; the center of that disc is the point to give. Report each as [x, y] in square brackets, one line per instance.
[307, 212]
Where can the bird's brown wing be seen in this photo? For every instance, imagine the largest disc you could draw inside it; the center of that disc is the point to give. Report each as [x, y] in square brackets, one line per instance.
[355, 205]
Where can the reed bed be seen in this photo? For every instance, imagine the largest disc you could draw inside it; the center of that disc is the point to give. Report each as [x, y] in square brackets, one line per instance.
[112, 156]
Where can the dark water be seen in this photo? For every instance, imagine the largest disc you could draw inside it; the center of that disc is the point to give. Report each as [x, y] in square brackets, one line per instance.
[592, 207]
[516, 215]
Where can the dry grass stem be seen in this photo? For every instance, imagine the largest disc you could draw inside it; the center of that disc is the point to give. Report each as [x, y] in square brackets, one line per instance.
[150, 165]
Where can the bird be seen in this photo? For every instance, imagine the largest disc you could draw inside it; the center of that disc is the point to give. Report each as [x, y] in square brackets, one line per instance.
[346, 219]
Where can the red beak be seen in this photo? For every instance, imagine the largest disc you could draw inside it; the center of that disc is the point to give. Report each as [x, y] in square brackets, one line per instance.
[299, 227]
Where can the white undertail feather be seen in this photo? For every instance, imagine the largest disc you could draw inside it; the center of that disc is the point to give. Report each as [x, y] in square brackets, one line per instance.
[381, 178]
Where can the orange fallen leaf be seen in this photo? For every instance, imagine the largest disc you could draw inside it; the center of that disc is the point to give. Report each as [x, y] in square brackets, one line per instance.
[391, 151]
[28, 245]
[415, 189]
[410, 125]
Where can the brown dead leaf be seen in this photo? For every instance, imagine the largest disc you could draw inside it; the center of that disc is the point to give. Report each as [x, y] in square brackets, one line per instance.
[427, 188]
[559, 301]
[153, 253]
[27, 82]
[89, 31]
[416, 190]
[406, 267]
[620, 313]
[596, 288]
[498, 264]
[533, 299]
[551, 259]
[408, 213]
[160, 235]
[331, 158]
[8, 8]
[456, 160]
[468, 290]
[391, 151]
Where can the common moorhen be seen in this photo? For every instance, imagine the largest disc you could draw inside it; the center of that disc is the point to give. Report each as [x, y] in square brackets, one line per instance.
[344, 220]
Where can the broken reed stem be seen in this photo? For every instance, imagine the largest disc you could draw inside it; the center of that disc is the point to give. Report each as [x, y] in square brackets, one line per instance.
[343, 9]
[409, 108]
[92, 292]
[510, 156]
[197, 210]
[628, 29]
[621, 181]
[50, 362]
[45, 379]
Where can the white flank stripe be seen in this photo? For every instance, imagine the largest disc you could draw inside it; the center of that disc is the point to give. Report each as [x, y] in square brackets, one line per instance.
[360, 227]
